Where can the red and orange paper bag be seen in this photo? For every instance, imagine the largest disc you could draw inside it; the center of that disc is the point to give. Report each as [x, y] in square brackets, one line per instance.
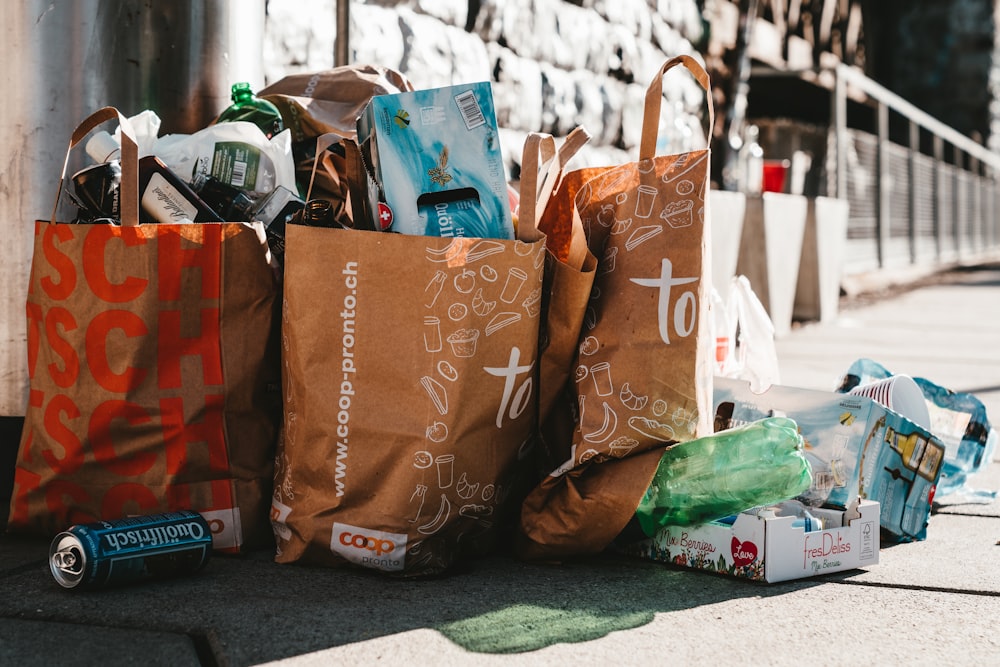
[153, 363]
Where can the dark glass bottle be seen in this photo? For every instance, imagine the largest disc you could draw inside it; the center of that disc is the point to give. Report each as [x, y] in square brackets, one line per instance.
[96, 191]
[318, 213]
[229, 202]
[275, 209]
[164, 197]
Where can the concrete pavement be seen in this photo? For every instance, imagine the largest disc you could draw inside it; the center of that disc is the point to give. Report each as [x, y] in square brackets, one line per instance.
[931, 602]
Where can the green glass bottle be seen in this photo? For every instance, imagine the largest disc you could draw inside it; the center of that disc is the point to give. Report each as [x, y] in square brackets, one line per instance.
[248, 107]
[726, 473]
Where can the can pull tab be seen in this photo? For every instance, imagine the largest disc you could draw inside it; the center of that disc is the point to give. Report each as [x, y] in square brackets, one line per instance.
[68, 560]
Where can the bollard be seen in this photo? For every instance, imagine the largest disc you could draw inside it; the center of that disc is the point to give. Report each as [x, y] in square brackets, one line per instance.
[770, 251]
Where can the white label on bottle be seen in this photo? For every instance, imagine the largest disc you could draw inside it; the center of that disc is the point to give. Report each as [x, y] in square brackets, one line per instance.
[238, 164]
[165, 203]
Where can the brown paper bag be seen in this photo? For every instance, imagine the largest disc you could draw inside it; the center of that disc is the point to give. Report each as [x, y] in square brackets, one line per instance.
[547, 199]
[642, 376]
[643, 372]
[154, 374]
[409, 391]
[329, 102]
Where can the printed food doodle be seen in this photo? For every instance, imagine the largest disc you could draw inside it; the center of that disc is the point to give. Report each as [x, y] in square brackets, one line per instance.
[645, 290]
[476, 294]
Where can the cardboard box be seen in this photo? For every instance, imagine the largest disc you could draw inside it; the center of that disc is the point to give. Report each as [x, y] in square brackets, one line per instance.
[434, 163]
[855, 446]
[769, 548]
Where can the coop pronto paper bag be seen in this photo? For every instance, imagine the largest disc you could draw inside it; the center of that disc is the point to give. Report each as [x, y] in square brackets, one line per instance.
[409, 379]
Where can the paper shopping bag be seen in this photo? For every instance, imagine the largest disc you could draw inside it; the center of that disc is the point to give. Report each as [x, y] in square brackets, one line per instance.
[409, 372]
[546, 200]
[644, 366]
[328, 102]
[154, 373]
[641, 378]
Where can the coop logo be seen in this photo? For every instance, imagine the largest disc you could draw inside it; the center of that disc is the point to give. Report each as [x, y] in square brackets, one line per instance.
[368, 547]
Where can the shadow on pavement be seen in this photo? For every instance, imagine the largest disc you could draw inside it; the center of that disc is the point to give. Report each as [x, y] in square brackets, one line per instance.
[251, 610]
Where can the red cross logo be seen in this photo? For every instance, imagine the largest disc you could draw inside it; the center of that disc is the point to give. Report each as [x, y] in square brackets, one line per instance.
[384, 215]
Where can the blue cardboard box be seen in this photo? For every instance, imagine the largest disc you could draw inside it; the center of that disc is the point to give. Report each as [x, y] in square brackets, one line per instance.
[434, 163]
[856, 447]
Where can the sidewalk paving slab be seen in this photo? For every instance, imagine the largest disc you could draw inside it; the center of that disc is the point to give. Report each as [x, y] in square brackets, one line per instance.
[78, 644]
[926, 603]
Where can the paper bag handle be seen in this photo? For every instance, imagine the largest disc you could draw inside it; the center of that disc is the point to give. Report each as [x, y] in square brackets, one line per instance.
[323, 142]
[129, 195]
[539, 149]
[654, 96]
[540, 158]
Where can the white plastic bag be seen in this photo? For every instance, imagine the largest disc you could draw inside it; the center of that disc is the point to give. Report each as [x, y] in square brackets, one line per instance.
[744, 337]
[236, 153]
[146, 126]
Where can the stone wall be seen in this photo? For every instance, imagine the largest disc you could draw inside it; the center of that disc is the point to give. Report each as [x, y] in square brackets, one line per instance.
[554, 64]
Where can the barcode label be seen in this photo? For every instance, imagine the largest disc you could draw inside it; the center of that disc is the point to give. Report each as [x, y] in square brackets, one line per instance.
[824, 481]
[239, 174]
[471, 113]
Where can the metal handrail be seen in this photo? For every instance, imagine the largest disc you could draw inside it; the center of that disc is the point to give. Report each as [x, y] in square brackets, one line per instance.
[849, 76]
[961, 197]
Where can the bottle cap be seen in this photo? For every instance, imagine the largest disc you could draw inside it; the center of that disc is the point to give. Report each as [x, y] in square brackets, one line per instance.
[102, 148]
[241, 90]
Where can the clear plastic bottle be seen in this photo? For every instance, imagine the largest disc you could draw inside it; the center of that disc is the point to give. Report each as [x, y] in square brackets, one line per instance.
[728, 472]
[753, 162]
[274, 209]
[96, 188]
[102, 147]
[248, 107]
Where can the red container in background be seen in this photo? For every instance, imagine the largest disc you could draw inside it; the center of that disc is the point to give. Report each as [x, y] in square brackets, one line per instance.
[775, 174]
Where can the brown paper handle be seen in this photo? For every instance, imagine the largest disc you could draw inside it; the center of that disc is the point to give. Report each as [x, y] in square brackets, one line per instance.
[539, 151]
[540, 158]
[323, 142]
[129, 207]
[573, 142]
[654, 96]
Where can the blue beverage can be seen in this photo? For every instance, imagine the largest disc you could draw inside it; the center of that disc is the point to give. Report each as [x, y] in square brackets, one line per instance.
[112, 553]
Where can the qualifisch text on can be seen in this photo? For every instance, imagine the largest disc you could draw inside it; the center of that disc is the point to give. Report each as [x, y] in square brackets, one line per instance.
[112, 553]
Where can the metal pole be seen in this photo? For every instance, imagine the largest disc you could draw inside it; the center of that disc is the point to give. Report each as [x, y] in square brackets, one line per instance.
[938, 190]
[994, 221]
[64, 60]
[341, 56]
[912, 194]
[976, 224]
[884, 185]
[839, 116]
[956, 203]
[733, 180]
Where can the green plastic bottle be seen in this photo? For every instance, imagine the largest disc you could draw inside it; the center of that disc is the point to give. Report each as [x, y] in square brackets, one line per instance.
[728, 472]
[248, 107]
